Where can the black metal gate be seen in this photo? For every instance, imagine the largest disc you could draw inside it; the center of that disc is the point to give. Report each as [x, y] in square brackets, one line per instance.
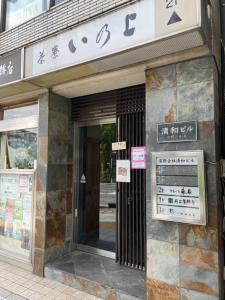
[131, 238]
[128, 106]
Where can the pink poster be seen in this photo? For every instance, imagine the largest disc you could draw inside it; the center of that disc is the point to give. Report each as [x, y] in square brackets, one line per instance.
[138, 157]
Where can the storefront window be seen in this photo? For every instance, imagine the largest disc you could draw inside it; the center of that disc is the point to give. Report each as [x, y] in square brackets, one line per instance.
[19, 149]
[20, 112]
[19, 11]
[18, 155]
[16, 194]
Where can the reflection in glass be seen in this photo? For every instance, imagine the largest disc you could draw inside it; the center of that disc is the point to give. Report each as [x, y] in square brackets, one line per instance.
[97, 189]
[55, 2]
[20, 112]
[19, 149]
[19, 11]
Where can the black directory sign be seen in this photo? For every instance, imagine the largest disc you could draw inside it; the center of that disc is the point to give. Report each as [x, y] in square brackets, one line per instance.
[10, 67]
[178, 186]
[177, 132]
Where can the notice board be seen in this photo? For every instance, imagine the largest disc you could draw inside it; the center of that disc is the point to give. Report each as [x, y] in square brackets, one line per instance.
[178, 186]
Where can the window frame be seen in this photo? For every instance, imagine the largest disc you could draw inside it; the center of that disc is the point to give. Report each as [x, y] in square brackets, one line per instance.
[3, 5]
[2, 15]
[52, 3]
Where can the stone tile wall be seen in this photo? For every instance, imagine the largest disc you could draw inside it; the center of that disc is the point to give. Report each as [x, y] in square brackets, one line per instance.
[184, 261]
[53, 223]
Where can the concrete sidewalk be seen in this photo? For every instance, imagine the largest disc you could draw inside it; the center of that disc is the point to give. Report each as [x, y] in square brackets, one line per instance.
[19, 284]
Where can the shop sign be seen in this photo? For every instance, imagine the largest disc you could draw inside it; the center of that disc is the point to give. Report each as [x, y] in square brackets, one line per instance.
[138, 157]
[119, 146]
[135, 25]
[177, 132]
[178, 187]
[122, 171]
[10, 68]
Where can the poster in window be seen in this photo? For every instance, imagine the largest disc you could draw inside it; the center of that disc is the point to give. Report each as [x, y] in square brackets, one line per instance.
[17, 230]
[18, 210]
[9, 209]
[25, 239]
[2, 207]
[9, 228]
[22, 149]
[2, 226]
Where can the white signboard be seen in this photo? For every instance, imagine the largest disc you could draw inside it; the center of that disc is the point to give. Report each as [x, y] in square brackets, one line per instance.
[134, 25]
[122, 171]
[119, 146]
[181, 197]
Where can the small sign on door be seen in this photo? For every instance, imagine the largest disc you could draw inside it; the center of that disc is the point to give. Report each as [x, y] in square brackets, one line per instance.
[138, 157]
[119, 146]
[123, 171]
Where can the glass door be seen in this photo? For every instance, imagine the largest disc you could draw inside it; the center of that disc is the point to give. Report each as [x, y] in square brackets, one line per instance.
[96, 199]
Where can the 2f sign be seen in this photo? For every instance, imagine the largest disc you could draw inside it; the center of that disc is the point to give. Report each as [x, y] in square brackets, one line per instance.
[171, 3]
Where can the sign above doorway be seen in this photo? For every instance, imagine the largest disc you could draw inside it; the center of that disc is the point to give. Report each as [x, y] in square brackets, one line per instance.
[136, 25]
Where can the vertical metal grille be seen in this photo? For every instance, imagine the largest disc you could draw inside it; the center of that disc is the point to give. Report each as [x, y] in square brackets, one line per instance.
[131, 243]
[128, 106]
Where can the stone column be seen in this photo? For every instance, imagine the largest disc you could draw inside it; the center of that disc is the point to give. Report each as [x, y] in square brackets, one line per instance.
[185, 261]
[53, 220]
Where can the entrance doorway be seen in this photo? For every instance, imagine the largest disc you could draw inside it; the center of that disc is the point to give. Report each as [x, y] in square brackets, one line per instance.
[110, 216]
[96, 202]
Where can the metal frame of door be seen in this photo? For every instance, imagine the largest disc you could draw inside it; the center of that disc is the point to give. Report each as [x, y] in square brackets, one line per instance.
[76, 156]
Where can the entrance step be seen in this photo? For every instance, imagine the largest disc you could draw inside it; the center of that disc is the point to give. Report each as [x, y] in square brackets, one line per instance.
[98, 276]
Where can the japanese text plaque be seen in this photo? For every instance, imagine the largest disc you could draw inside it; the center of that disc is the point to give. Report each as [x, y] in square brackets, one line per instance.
[178, 186]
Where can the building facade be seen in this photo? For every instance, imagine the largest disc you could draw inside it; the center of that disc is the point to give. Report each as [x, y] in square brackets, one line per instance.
[111, 145]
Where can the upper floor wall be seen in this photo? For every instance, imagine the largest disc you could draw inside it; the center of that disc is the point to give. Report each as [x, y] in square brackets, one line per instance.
[56, 19]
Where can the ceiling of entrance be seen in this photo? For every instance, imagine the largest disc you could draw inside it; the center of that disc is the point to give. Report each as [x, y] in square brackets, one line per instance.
[101, 83]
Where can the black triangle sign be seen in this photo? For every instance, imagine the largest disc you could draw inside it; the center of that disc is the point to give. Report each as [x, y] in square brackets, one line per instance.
[174, 19]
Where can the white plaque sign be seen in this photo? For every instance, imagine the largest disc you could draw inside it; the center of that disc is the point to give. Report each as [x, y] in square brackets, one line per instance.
[119, 146]
[134, 25]
[178, 187]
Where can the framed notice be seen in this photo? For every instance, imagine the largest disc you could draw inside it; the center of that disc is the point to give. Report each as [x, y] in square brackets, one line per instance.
[178, 187]
[138, 157]
[122, 171]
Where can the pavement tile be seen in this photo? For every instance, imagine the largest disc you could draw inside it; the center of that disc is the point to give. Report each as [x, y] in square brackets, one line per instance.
[18, 284]
[14, 297]
[4, 293]
[27, 293]
[35, 296]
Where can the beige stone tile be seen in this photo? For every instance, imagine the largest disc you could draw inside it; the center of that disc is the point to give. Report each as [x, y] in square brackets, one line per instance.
[52, 284]
[46, 298]
[61, 287]
[28, 283]
[45, 281]
[37, 288]
[69, 291]
[55, 293]
[16, 288]
[6, 283]
[66, 297]
[27, 293]
[35, 296]
[81, 295]
[37, 279]
[45, 290]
